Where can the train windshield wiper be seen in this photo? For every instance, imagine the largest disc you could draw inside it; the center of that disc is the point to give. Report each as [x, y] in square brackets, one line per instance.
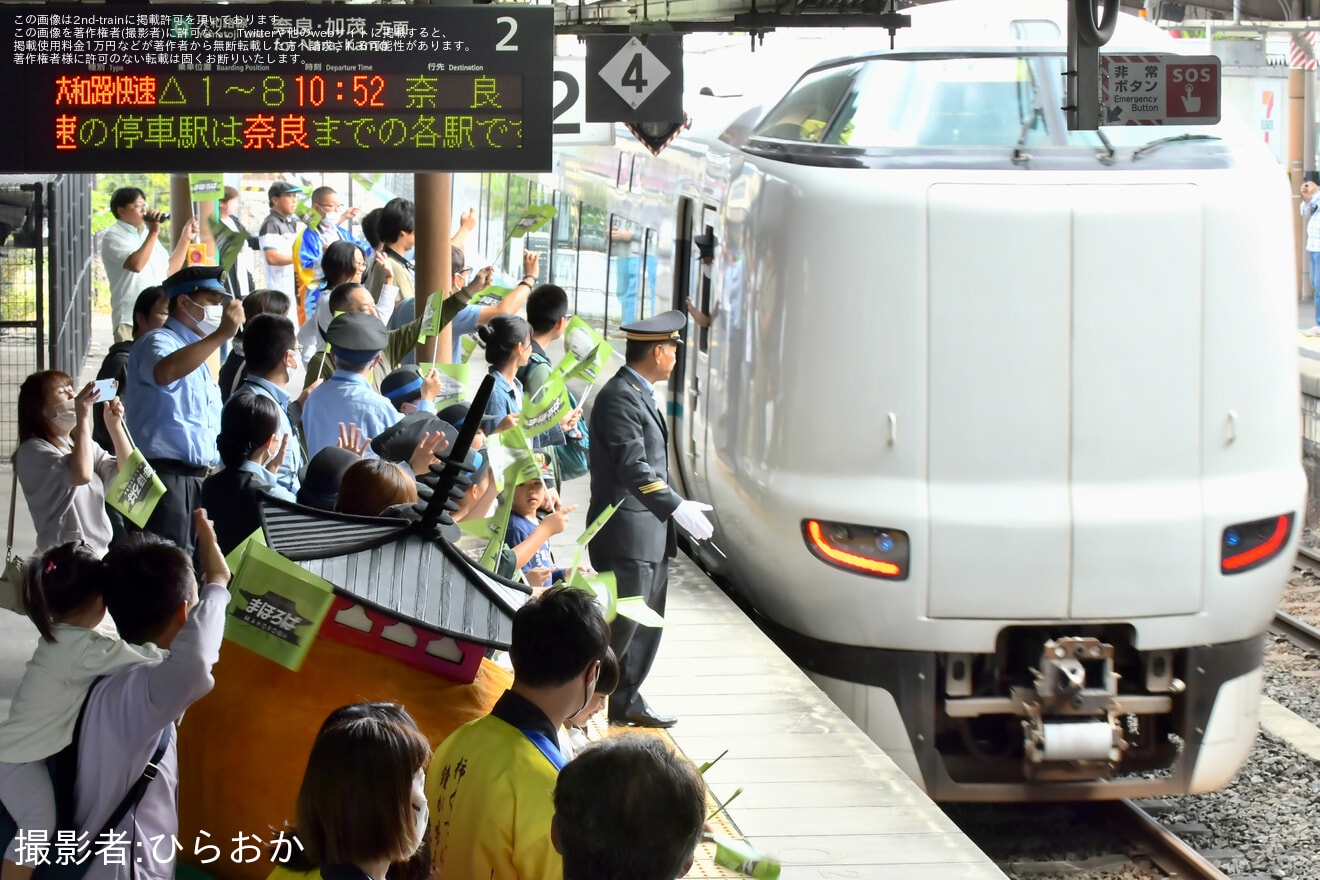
[1159, 142]
[1106, 156]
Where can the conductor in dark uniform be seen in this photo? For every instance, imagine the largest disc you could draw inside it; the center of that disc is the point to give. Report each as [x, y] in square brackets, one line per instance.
[630, 467]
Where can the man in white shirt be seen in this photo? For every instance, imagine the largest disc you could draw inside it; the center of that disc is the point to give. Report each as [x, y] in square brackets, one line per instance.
[133, 256]
[277, 234]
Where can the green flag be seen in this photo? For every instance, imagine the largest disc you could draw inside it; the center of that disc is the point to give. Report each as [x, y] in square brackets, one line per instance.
[235, 556]
[309, 215]
[515, 463]
[635, 609]
[603, 586]
[491, 296]
[597, 524]
[137, 490]
[457, 382]
[589, 368]
[532, 220]
[469, 345]
[499, 525]
[206, 187]
[544, 408]
[580, 344]
[277, 606]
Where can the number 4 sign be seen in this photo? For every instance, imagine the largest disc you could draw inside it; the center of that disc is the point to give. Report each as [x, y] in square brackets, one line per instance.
[1159, 89]
[628, 80]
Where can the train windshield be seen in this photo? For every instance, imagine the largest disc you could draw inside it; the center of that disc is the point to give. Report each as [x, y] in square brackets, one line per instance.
[942, 102]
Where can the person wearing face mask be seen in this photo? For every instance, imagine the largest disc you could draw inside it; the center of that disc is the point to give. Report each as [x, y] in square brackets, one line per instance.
[347, 398]
[344, 263]
[171, 400]
[362, 811]
[494, 820]
[310, 247]
[271, 350]
[251, 449]
[64, 474]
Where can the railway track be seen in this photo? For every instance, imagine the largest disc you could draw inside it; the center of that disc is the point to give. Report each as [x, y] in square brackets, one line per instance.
[1152, 840]
[1083, 839]
[1298, 631]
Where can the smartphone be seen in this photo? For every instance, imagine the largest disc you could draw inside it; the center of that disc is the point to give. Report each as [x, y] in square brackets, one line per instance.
[107, 389]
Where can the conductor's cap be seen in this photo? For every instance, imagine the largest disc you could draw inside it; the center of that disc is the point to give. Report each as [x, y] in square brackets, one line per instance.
[658, 328]
[356, 336]
[193, 279]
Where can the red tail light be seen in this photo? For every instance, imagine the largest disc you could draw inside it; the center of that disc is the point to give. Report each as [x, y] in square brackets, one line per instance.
[1247, 545]
[864, 550]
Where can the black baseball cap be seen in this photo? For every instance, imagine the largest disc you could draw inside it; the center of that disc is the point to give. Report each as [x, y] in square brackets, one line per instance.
[283, 188]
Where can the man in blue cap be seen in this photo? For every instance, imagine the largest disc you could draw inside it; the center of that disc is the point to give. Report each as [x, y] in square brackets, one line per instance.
[355, 340]
[630, 467]
[171, 401]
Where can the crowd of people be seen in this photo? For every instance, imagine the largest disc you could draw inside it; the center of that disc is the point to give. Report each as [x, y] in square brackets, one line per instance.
[308, 392]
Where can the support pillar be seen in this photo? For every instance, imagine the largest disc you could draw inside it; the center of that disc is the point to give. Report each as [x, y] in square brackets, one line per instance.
[1296, 142]
[180, 203]
[433, 197]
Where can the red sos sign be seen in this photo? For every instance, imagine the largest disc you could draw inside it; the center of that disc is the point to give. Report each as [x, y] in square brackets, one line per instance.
[1192, 91]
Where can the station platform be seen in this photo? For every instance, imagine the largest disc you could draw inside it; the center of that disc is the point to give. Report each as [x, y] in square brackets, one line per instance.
[817, 793]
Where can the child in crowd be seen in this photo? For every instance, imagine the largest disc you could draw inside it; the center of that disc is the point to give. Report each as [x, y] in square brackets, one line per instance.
[573, 735]
[372, 486]
[63, 598]
[529, 538]
[362, 804]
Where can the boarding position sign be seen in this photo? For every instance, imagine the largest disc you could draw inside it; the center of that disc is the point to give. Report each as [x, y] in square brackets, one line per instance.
[268, 87]
[1159, 89]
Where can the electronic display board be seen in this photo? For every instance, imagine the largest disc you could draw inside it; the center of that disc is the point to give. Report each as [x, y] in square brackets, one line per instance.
[276, 87]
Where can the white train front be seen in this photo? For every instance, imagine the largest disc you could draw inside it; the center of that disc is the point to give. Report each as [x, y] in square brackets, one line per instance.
[999, 421]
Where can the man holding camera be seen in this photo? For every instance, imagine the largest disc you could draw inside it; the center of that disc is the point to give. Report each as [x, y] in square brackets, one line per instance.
[133, 256]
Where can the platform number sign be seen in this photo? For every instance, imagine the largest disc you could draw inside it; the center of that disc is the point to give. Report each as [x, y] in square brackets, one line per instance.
[570, 107]
[629, 80]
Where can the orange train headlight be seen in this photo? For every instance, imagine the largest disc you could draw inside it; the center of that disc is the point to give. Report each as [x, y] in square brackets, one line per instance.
[868, 550]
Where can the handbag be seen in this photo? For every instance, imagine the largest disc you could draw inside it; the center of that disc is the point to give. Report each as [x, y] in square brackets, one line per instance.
[11, 583]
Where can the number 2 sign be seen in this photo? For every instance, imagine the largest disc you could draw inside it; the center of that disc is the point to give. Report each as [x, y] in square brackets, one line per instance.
[570, 110]
[628, 80]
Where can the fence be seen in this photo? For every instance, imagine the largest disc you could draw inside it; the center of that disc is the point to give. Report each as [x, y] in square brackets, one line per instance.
[45, 283]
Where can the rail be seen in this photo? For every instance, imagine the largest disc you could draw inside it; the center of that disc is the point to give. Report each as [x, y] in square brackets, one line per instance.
[1157, 843]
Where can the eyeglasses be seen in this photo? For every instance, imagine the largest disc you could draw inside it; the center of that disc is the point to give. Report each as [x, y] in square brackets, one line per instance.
[467, 271]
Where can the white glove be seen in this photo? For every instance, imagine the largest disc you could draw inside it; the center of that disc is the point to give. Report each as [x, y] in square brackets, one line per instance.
[690, 517]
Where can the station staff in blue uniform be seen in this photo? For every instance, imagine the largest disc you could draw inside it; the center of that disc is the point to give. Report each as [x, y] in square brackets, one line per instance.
[171, 402]
[356, 340]
[630, 467]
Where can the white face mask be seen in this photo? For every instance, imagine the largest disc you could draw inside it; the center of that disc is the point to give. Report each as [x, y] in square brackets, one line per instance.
[211, 317]
[65, 416]
[332, 217]
[421, 809]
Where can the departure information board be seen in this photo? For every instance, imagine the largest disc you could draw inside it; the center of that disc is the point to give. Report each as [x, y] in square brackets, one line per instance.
[277, 87]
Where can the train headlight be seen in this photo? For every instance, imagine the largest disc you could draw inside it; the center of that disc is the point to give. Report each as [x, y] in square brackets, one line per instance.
[1244, 546]
[868, 550]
